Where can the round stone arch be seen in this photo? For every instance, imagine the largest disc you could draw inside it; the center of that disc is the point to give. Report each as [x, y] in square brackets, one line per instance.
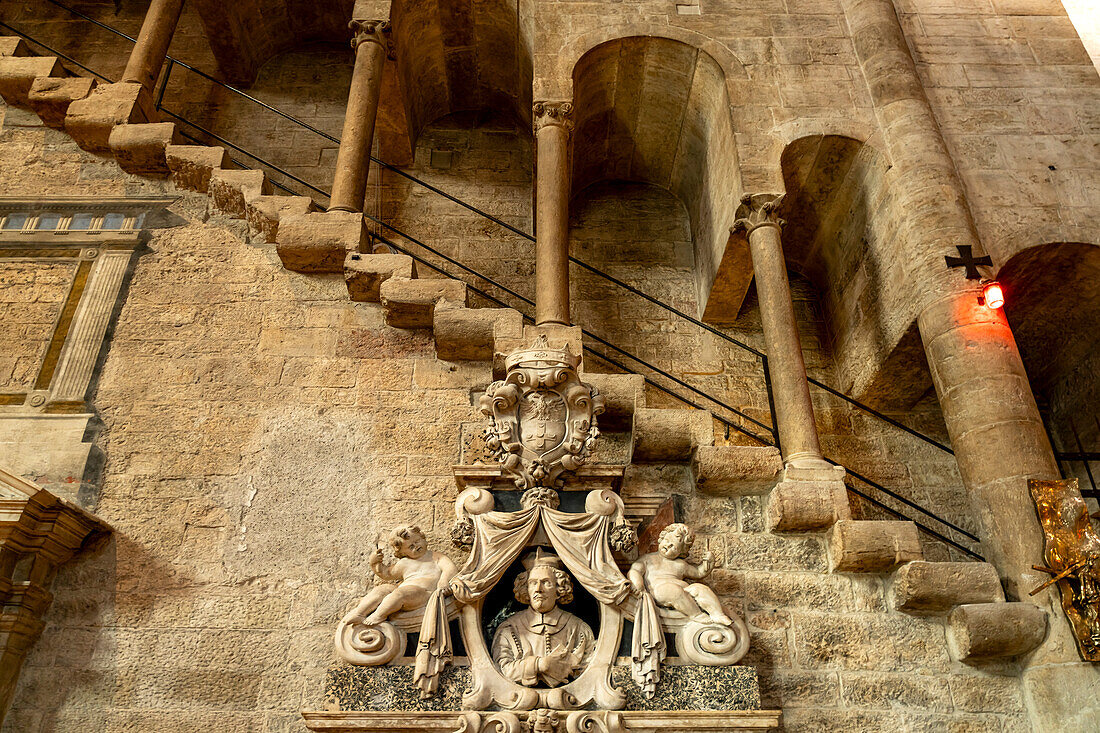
[656, 110]
[1052, 302]
[846, 234]
[451, 60]
[556, 81]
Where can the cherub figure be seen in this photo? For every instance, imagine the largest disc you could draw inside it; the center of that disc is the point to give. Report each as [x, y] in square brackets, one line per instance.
[417, 571]
[663, 573]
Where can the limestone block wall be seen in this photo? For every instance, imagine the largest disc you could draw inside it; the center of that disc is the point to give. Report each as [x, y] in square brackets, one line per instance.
[260, 431]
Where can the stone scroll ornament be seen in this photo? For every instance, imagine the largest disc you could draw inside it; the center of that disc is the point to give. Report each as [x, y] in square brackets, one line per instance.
[1072, 555]
[542, 418]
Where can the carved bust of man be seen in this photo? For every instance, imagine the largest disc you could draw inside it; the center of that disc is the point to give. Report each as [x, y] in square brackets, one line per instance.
[543, 643]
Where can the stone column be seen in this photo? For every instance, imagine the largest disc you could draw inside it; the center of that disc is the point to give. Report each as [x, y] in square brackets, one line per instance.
[553, 127]
[794, 411]
[148, 54]
[349, 185]
[990, 412]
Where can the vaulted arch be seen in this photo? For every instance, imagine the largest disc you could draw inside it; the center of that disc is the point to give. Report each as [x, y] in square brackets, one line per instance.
[656, 110]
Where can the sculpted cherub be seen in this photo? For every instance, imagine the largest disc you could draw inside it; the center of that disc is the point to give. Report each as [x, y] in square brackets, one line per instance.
[663, 573]
[417, 571]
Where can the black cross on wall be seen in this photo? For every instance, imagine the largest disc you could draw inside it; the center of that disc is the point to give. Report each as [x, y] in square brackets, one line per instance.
[969, 261]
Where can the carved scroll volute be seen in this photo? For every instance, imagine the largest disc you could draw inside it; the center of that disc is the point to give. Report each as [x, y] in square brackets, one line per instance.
[542, 418]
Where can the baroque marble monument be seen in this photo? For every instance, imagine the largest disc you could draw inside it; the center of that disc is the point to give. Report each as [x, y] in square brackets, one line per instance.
[543, 666]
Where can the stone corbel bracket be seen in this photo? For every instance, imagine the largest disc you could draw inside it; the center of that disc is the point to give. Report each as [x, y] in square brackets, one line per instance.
[38, 533]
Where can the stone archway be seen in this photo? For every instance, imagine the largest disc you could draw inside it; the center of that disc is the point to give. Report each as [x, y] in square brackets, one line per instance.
[1052, 301]
[656, 110]
[452, 59]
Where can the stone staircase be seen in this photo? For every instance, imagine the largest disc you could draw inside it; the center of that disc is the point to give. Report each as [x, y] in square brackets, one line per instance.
[980, 623]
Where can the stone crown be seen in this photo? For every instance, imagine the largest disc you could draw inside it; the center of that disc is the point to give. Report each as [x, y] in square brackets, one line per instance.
[540, 354]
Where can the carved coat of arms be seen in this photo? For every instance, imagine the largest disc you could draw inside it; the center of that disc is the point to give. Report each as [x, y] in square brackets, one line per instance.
[542, 418]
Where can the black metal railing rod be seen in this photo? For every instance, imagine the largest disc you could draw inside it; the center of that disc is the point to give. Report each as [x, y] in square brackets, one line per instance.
[1086, 456]
[903, 500]
[238, 148]
[393, 245]
[603, 341]
[495, 220]
[448, 259]
[886, 418]
[923, 528]
[55, 52]
[666, 306]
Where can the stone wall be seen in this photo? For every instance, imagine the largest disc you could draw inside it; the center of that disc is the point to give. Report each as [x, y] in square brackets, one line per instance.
[30, 304]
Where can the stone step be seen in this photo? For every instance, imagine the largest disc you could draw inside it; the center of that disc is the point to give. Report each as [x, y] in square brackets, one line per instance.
[89, 121]
[981, 631]
[14, 46]
[861, 546]
[364, 273]
[50, 96]
[799, 505]
[468, 334]
[411, 303]
[230, 190]
[17, 75]
[736, 470]
[192, 165]
[927, 588]
[623, 396]
[666, 435]
[140, 148]
[320, 241]
[264, 213]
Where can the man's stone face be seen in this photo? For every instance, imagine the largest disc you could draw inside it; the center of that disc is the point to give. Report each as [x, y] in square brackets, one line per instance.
[542, 586]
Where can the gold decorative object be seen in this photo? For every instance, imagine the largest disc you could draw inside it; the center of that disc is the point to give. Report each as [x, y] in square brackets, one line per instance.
[1072, 556]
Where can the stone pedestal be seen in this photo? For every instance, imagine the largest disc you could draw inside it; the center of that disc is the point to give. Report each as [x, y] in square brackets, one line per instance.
[689, 698]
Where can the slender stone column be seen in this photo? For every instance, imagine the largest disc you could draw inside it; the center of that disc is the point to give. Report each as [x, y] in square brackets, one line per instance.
[794, 411]
[553, 126]
[148, 54]
[349, 185]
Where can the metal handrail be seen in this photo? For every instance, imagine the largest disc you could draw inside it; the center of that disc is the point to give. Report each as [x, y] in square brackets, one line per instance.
[596, 271]
[598, 354]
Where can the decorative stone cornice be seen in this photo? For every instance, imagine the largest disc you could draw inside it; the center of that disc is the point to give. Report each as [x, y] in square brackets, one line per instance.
[553, 113]
[38, 533]
[758, 210]
[371, 31]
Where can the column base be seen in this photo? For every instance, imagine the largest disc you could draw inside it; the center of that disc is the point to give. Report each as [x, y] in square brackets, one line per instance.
[808, 498]
[89, 121]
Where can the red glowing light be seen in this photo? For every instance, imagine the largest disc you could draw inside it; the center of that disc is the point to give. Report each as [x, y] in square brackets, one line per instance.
[994, 296]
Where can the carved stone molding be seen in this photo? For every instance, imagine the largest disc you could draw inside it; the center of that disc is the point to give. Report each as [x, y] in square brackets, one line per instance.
[674, 721]
[758, 210]
[553, 113]
[38, 533]
[371, 31]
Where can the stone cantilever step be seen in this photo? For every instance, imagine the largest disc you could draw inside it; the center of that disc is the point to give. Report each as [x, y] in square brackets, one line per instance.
[50, 96]
[264, 213]
[623, 396]
[928, 588]
[364, 273]
[17, 75]
[736, 470]
[231, 190]
[192, 166]
[466, 334]
[862, 546]
[141, 148]
[14, 46]
[981, 631]
[670, 435]
[411, 303]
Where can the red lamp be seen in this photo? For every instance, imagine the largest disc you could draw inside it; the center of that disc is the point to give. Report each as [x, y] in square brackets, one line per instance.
[992, 294]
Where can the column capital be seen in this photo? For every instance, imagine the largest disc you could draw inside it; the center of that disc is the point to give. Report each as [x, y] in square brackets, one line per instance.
[758, 210]
[553, 113]
[371, 31]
